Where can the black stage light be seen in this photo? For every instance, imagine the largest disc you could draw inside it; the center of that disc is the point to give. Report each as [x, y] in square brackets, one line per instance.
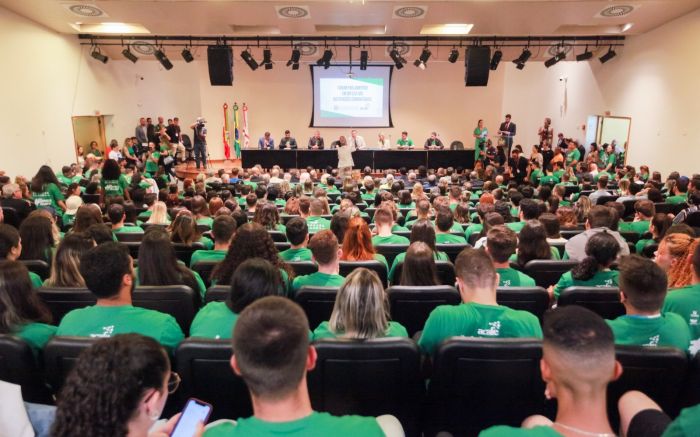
[294, 59]
[364, 56]
[267, 59]
[130, 56]
[187, 55]
[454, 55]
[603, 59]
[522, 59]
[496, 59]
[97, 54]
[325, 60]
[584, 56]
[248, 58]
[422, 59]
[397, 58]
[554, 59]
[164, 61]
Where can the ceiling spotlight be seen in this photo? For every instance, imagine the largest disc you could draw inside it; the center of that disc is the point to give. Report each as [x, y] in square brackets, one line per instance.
[364, 56]
[454, 55]
[294, 59]
[187, 55]
[97, 54]
[164, 61]
[496, 59]
[267, 59]
[397, 58]
[248, 58]
[522, 59]
[130, 56]
[325, 60]
[584, 56]
[603, 59]
[554, 59]
[422, 59]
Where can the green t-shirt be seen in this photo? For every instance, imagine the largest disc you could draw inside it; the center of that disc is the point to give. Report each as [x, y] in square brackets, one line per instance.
[215, 320]
[206, 221]
[665, 330]
[405, 143]
[641, 244]
[536, 175]
[686, 424]
[509, 277]
[207, 255]
[114, 187]
[477, 320]
[602, 278]
[151, 166]
[509, 431]
[317, 279]
[295, 255]
[574, 155]
[35, 280]
[474, 228]
[128, 230]
[49, 198]
[516, 226]
[675, 200]
[391, 239]
[641, 227]
[314, 425]
[449, 239]
[399, 228]
[685, 302]
[317, 223]
[439, 256]
[395, 329]
[549, 180]
[36, 335]
[558, 174]
[106, 321]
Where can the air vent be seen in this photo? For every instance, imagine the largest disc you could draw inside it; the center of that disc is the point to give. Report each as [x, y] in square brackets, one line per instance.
[410, 12]
[143, 47]
[558, 48]
[616, 11]
[307, 49]
[401, 47]
[84, 10]
[293, 12]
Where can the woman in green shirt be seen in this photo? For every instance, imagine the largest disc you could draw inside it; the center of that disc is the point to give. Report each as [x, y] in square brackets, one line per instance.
[113, 182]
[658, 227]
[45, 191]
[480, 135]
[184, 230]
[594, 270]
[360, 310]
[22, 312]
[268, 217]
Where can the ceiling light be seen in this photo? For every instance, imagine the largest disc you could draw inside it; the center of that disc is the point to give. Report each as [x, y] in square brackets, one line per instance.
[397, 58]
[627, 27]
[554, 59]
[364, 56]
[608, 56]
[248, 58]
[164, 61]
[110, 28]
[130, 56]
[325, 60]
[97, 54]
[454, 55]
[187, 55]
[584, 56]
[267, 59]
[294, 59]
[522, 59]
[422, 59]
[446, 29]
[496, 59]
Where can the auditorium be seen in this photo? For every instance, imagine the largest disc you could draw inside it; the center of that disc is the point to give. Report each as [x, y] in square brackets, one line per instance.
[350, 217]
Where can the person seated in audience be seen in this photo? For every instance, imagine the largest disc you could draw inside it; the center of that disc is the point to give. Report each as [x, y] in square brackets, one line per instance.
[679, 192]
[357, 243]
[223, 228]
[481, 210]
[88, 214]
[268, 216]
[298, 236]
[552, 228]
[532, 244]
[254, 278]
[406, 199]
[640, 416]
[118, 387]
[492, 219]
[109, 275]
[251, 203]
[658, 227]
[644, 212]
[326, 254]
[314, 221]
[184, 230]
[673, 256]
[479, 315]
[73, 204]
[500, 245]
[22, 312]
[529, 210]
[444, 221]
[360, 310]
[419, 266]
[116, 215]
[578, 362]
[12, 198]
[423, 231]
[594, 270]
[384, 224]
[65, 269]
[600, 218]
[11, 249]
[200, 211]
[643, 290]
[422, 212]
[694, 202]
[46, 192]
[685, 302]
[601, 191]
[38, 238]
[272, 355]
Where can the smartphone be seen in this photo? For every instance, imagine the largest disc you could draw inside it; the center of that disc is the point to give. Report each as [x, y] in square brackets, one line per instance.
[195, 411]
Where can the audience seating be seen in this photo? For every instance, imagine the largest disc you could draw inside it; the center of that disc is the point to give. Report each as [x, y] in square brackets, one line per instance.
[204, 268]
[277, 236]
[692, 219]
[570, 233]
[145, 226]
[91, 198]
[369, 378]
[547, 272]
[560, 247]
[282, 246]
[317, 303]
[10, 216]
[217, 293]
[202, 228]
[177, 300]
[650, 250]
[629, 208]
[669, 208]
[477, 383]
[346, 267]
[445, 273]
[604, 301]
[473, 238]
[123, 237]
[391, 251]
[40, 267]
[18, 365]
[205, 368]
[602, 200]
[411, 305]
[286, 217]
[532, 299]
[630, 237]
[571, 189]
[302, 268]
[452, 250]
[184, 251]
[133, 247]
[60, 355]
[691, 388]
[61, 301]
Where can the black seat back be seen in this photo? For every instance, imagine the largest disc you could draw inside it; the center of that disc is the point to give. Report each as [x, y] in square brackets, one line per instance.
[570, 233]
[204, 268]
[205, 369]
[532, 299]
[123, 237]
[411, 305]
[217, 293]
[282, 246]
[630, 236]
[302, 268]
[277, 236]
[378, 267]
[184, 252]
[451, 250]
[547, 272]
[368, 378]
[60, 355]
[390, 251]
[317, 303]
[11, 217]
[445, 273]
[693, 219]
[477, 383]
[176, 300]
[63, 300]
[691, 388]
[18, 365]
[604, 301]
[40, 267]
[650, 250]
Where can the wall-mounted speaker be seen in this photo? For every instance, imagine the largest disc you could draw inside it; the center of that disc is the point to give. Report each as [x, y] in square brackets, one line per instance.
[477, 61]
[220, 59]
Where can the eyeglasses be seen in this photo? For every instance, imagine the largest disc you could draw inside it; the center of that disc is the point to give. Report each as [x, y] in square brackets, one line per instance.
[173, 382]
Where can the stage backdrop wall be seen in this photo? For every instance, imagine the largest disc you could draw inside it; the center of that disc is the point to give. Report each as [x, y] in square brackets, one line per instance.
[52, 78]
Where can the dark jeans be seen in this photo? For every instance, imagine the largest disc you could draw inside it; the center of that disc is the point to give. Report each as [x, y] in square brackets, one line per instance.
[200, 154]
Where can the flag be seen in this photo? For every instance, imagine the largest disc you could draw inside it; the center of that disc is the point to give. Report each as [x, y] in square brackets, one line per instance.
[246, 131]
[236, 132]
[225, 133]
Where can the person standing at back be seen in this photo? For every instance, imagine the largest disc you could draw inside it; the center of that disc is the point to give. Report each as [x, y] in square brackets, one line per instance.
[200, 142]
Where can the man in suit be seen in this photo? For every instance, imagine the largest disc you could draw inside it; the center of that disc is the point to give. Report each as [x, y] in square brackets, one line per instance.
[151, 131]
[518, 166]
[173, 133]
[507, 131]
[288, 141]
[141, 132]
[316, 142]
[266, 142]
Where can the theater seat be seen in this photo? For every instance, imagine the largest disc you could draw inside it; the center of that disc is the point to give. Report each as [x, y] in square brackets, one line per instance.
[177, 300]
[60, 355]
[184, 251]
[604, 301]
[411, 305]
[19, 366]
[390, 251]
[452, 250]
[62, 300]
[317, 303]
[445, 273]
[205, 368]
[217, 293]
[630, 236]
[369, 378]
[11, 217]
[534, 300]
[560, 247]
[346, 267]
[204, 268]
[690, 394]
[40, 267]
[302, 268]
[277, 236]
[282, 246]
[650, 250]
[570, 233]
[477, 383]
[133, 247]
[124, 237]
[547, 272]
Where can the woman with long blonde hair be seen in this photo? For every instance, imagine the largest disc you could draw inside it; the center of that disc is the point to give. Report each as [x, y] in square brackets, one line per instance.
[65, 269]
[418, 193]
[674, 256]
[159, 216]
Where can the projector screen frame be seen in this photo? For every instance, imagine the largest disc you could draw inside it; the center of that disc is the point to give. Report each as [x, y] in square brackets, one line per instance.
[313, 97]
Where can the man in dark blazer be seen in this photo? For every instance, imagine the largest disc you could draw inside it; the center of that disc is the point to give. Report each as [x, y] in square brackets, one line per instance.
[518, 166]
[507, 131]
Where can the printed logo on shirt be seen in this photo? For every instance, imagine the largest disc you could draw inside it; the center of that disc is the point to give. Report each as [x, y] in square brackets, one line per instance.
[653, 341]
[607, 283]
[694, 346]
[106, 332]
[493, 331]
[694, 318]
[506, 283]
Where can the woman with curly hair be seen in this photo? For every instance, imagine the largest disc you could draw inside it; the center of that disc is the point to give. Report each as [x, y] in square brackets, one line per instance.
[251, 240]
[65, 269]
[268, 217]
[674, 256]
[184, 230]
[532, 244]
[567, 218]
[292, 206]
[88, 214]
[117, 388]
[357, 243]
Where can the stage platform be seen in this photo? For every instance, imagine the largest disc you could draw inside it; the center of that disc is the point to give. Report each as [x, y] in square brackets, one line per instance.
[189, 170]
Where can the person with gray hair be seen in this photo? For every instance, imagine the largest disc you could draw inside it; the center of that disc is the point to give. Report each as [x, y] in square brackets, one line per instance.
[12, 198]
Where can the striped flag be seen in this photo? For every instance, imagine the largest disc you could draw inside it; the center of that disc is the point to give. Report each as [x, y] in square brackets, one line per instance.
[225, 133]
[246, 131]
[236, 132]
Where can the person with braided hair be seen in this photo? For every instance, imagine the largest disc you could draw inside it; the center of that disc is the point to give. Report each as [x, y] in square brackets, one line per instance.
[673, 256]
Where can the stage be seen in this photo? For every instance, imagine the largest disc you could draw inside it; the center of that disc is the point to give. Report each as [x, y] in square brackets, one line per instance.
[189, 170]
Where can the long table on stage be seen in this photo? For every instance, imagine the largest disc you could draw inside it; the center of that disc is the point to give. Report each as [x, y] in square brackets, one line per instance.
[375, 159]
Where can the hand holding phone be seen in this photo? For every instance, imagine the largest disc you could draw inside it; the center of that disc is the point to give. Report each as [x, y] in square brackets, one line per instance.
[195, 412]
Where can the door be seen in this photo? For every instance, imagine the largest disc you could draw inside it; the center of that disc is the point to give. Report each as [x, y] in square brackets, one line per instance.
[89, 128]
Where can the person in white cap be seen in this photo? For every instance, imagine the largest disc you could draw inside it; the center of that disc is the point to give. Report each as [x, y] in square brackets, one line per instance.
[72, 205]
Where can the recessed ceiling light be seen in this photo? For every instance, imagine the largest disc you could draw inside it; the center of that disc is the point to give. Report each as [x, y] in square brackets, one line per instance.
[627, 27]
[446, 29]
[112, 28]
